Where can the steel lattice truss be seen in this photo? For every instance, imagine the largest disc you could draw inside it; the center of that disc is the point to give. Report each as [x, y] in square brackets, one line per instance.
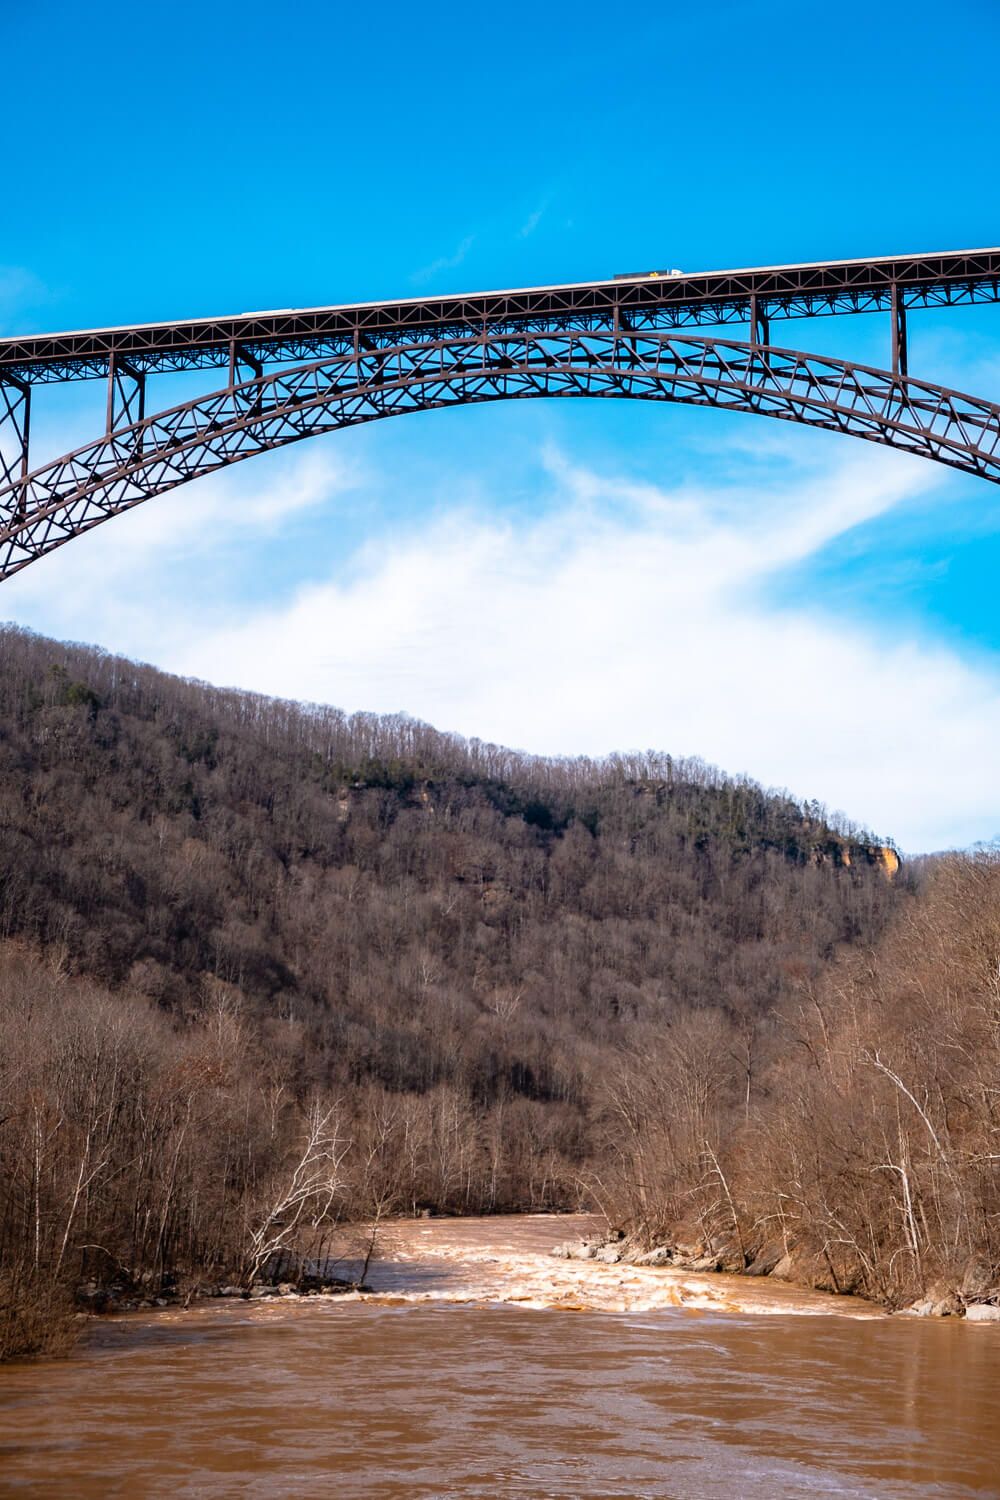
[614, 338]
[651, 301]
[130, 464]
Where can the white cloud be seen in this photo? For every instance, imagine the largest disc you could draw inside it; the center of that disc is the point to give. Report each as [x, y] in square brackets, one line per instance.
[630, 616]
[122, 578]
[444, 262]
[624, 615]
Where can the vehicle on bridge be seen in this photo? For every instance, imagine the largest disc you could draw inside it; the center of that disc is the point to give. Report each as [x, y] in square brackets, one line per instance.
[294, 373]
[646, 275]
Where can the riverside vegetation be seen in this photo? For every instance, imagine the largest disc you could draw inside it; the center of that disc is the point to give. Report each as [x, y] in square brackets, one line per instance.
[266, 968]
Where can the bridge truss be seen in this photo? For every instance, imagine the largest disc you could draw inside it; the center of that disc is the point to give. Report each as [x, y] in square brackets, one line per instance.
[337, 367]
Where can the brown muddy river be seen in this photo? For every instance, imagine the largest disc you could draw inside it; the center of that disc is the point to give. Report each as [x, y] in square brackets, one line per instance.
[484, 1367]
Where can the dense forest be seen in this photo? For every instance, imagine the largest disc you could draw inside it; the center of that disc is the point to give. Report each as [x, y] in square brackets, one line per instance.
[264, 966]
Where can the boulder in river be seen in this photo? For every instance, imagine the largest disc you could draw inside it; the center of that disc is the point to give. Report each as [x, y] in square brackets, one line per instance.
[661, 1256]
[982, 1312]
[766, 1259]
[947, 1302]
[706, 1262]
[575, 1250]
[940, 1302]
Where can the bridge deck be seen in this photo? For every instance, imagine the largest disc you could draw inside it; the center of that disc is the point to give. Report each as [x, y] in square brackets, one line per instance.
[641, 302]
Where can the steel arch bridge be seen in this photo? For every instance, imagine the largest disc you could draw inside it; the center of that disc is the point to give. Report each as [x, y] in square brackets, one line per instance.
[292, 374]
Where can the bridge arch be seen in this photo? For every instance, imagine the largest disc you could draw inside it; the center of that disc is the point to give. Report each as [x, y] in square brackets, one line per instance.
[133, 463]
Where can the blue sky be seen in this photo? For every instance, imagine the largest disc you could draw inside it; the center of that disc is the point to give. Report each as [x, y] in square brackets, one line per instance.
[566, 577]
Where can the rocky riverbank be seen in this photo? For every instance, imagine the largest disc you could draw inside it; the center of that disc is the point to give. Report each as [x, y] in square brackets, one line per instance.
[976, 1296]
[527, 1260]
[509, 1259]
[288, 1275]
[119, 1298]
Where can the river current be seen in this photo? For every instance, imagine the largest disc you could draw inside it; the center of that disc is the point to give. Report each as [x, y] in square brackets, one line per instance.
[482, 1366]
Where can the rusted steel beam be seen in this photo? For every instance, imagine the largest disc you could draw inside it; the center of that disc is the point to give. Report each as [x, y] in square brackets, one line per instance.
[72, 494]
[898, 315]
[647, 301]
[15, 433]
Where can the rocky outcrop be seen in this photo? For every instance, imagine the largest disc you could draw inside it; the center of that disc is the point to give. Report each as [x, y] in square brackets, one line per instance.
[974, 1297]
[123, 1296]
[971, 1298]
[609, 1249]
[767, 1260]
[982, 1312]
[977, 1282]
[576, 1250]
[940, 1302]
[661, 1256]
[617, 1250]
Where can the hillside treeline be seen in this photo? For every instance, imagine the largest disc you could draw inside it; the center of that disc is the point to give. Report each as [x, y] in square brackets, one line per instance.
[854, 1141]
[251, 945]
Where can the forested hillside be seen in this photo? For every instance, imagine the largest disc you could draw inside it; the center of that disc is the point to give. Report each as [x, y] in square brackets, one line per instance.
[365, 877]
[240, 915]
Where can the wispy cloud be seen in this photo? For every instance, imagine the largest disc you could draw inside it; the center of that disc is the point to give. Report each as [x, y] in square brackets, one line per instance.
[122, 578]
[444, 262]
[631, 615]
[532, 222]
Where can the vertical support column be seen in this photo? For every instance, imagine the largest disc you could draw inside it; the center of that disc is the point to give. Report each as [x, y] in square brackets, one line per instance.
[760, 328]
[623, 324]
[126, 394]
[899, 360]
[238, 355]
[15, 426]
[760, 335]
